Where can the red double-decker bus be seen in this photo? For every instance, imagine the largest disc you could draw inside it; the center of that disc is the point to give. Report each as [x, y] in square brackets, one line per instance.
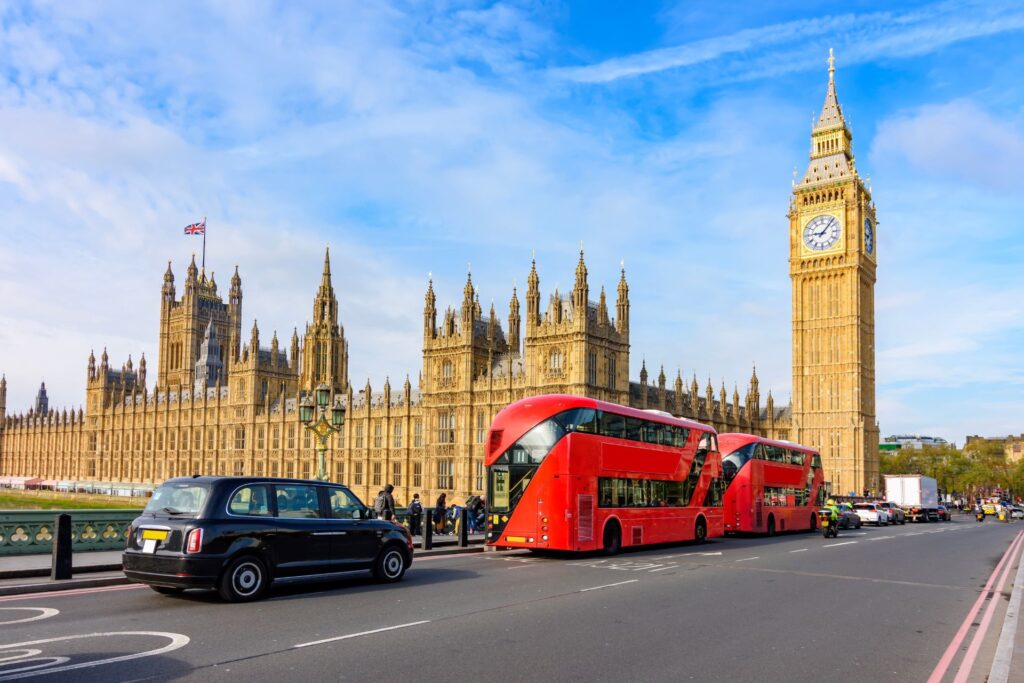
[573, 473]
[771, 485]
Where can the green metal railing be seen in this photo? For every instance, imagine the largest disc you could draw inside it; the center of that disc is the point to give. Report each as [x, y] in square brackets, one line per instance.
[24, 532]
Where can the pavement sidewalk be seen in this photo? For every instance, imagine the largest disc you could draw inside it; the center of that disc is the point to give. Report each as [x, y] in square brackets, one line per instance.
[20, 574]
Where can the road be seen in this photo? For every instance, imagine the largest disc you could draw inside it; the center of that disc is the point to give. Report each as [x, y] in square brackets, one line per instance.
[879, 604]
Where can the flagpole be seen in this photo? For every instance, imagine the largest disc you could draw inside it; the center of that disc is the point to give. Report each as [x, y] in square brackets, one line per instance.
[204, 243]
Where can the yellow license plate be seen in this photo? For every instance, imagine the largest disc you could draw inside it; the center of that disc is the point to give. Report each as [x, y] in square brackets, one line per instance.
[516, 539]
[154, 535]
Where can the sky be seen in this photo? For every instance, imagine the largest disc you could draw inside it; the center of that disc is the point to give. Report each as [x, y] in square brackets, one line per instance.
[432, 138]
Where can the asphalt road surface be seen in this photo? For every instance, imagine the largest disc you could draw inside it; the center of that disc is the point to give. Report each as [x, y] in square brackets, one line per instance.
[875, 604]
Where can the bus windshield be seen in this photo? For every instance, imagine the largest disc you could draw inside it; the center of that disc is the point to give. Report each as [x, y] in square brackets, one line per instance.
[732, 462]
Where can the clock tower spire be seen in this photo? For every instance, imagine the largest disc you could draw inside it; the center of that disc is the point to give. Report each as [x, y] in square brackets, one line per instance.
[832, 264]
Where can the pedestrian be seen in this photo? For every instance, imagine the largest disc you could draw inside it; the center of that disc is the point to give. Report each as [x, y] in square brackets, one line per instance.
[415, 515]
[378, 505]
[440, 507]
[389, 503]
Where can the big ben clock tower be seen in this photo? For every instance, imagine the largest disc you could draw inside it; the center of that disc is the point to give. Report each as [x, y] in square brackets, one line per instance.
[832, 263]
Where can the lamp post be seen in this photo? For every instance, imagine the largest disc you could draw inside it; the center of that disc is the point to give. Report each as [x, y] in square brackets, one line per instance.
[314, 417]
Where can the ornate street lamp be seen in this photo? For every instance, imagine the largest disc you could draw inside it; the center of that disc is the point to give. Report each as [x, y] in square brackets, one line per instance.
[315, 419]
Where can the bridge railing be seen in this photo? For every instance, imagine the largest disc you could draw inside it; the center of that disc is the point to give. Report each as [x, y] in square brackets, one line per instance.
[26, 532]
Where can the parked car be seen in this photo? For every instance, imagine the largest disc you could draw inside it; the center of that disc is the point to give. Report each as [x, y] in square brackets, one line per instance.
[241, 534]
[848, 519]
[943, 513]
[1016, 512]
[989, 508]
[872, 513]
[896, 513]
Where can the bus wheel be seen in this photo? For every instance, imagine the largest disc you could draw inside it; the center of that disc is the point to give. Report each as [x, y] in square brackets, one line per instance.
[700, 531]
[771, 525]
[612, 538]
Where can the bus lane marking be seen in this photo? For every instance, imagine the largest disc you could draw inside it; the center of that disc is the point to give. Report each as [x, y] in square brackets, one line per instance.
[44, 613]
[836, 545]
[607, 585]
[361, 633]
[33, 665]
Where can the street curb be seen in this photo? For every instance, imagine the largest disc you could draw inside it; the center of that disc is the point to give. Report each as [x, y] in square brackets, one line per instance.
[57, 586]
[45, 571]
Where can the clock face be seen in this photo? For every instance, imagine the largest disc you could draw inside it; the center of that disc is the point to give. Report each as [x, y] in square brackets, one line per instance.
[822, 232]
[869, 236]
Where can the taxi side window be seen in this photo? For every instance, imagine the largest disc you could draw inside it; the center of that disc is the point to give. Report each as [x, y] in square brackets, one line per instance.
[343, 504]
[250, 500]
[297, 501]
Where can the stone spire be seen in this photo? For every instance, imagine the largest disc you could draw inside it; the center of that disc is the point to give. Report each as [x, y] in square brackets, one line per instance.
[293, 359]
[167, 291]
[532, 297]
[142, 372]
[513, 322]
[602, 308]
[42, 403]
[468, 305]
[831, 140]
[622, 304]
[580, 290]
[430, 311]
[92, 365]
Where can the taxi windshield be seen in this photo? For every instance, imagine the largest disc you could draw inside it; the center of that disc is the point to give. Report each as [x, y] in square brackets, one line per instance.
[178, 499]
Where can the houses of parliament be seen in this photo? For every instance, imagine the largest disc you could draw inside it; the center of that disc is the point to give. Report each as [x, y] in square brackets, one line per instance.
[227, 404]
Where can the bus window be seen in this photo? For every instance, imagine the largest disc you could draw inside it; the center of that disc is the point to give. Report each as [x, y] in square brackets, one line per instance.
[611, 424]
[634, 429]
[732, 462]
[652, 432]
[578, 420]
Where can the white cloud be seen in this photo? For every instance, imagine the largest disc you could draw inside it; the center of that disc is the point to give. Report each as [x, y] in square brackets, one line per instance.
[958, 140]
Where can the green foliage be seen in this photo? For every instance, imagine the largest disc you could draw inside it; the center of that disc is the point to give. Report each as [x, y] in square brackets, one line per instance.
[972, 471]
[30, 500]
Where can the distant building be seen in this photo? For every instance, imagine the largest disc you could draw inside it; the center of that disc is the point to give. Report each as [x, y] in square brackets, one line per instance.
[915, 441]
[1013, 446]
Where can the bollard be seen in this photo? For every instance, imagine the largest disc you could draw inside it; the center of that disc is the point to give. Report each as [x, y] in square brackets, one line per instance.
[464, 528]
[60, 566]
[428, 529]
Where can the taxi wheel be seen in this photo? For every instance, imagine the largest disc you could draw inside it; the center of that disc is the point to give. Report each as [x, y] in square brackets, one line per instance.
[168, 590]
[245, 579]
[390, 565]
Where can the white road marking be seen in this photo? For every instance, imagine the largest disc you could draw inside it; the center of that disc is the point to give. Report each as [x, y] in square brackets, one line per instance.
[801, 550]
[177, 641]
[361, 633]
[661, 569]
[836, 545]
[69, 593]
[747, 559]
[607, 585]
[880, 538]
[45, 613]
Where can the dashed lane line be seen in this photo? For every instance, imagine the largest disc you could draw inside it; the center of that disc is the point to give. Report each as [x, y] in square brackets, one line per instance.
[799, 550]
[836, 545]
[880, 538]
[748, 559]
[661, 569]
[607, 585]
[361, 633]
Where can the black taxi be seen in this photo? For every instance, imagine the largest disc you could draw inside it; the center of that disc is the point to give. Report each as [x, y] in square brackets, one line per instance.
[239, 535]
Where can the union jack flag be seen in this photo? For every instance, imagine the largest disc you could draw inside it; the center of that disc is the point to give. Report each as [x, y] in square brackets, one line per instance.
[196, 228]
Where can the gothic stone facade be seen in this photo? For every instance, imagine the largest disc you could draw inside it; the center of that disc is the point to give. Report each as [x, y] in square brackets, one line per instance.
[221, 406]
[230, 407]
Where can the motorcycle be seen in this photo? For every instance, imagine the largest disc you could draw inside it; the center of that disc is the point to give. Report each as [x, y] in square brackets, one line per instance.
[980, 515]
[829, 527]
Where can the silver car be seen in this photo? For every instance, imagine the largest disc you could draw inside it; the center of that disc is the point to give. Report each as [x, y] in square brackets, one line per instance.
[896, 513]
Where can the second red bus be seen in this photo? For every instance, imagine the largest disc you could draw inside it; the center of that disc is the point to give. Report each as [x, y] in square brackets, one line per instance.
[771, 485]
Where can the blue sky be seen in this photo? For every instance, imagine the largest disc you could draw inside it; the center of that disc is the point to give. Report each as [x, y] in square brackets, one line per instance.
[419, 137]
